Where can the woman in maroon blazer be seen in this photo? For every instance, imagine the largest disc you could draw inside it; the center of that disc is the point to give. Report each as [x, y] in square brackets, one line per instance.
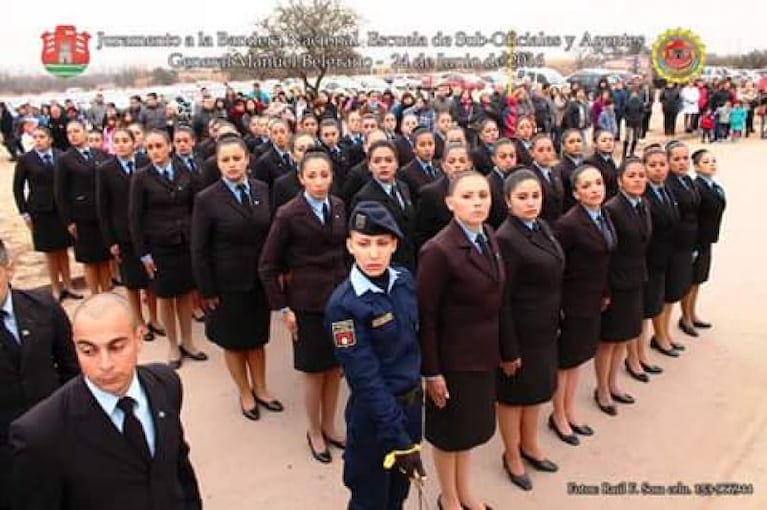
[302, 262]
[587, 237]
[460, 287]
[622, 320]
[534, 264]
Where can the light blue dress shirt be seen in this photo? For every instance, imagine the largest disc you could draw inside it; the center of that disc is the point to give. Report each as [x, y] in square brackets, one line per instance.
[46, 153]
[361, 284]
[232, 185]
[316, 206]
[168, 167]
[10, 317]
[141, 410]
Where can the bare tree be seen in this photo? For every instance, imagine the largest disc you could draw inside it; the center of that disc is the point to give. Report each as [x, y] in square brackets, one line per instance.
[305, 39]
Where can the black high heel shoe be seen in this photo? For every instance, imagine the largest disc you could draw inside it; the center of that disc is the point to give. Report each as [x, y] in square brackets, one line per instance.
[671, 353]
[323, 456]
[570, 439]
[197, 356]
[539, 464]
[651, 369]
[522, 481]
[687, 330]
[609, 409]
[639, 376]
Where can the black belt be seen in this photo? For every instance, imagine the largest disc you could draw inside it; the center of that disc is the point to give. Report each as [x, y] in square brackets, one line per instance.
[410, 397]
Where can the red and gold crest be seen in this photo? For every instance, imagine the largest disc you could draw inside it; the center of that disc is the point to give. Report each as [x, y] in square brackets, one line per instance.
[65, 51]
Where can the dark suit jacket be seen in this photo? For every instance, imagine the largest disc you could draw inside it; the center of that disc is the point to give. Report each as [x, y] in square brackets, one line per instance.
[439, 146]
[285, 189]
[47, 361]
[553, 193]
[75, 185]
[565, 168]
[112, 199]
[628, 266]
[523, 154]
[481, 157]
[310, 255]
[414, 176]
[70, 455]
[665, 218]
[341, 167]
[227, 238]
[609, 172]
[459, 300]
[688, 203]
[405, 152]
[587, 261]
[206, 148]
[405, 218]
[498, 208]
[160, 212]
[432, 214]
[269, 167]
[353, 150]
[710, 213]
[535, 264]
[357, 177]
[32, 172]
[255, 144]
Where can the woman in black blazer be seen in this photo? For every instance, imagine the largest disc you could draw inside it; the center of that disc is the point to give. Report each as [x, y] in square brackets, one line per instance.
[664, 216]
[534, 263]
[302, 262]
[504, 162]
[460, 286]
[712, 205]
[160, 213]
[482, 156]
[587, 237]
[604, 145]
[229, 227]
[684, 251]
[542, 152]
[75, 192]
[113, 178]
[622, 320]
[35, 172]
[523, 140]
[572, 158]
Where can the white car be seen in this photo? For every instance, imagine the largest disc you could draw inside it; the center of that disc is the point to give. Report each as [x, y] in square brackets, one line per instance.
[540, 75]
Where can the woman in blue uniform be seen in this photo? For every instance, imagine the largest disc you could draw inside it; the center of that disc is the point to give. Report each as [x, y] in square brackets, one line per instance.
[372, 317]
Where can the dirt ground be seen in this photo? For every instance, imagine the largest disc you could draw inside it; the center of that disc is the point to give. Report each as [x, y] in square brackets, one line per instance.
[702, 421]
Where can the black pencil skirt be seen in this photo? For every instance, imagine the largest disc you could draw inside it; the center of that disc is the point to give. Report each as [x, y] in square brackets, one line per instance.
[49, 233]
[132, 270]
[240, 321]
[653, 292]
[702, 265]
[533, 383]
[678, 276]
[578, 339]
[89, 244]
[173, 277]
[622, 320]
[468, 418]
[313, 349]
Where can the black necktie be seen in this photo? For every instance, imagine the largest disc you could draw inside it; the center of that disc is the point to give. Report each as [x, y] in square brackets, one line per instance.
[719, 190]
[47, 159]
[286, 160]
[325, 214]
[395, 195]
[605, 230]
[167, 175]
[132, 428]
[485, 248]
[640, 210]
[535, 226]
[191, 164]
[87, 154]
[244, 195]
[129, 165]
[663, 196]
[429, 170]
[8, 342]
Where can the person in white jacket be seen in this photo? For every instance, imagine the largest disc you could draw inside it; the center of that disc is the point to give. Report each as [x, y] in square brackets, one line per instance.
[690, 96]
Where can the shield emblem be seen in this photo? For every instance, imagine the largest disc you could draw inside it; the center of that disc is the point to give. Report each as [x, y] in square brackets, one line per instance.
[65, 51]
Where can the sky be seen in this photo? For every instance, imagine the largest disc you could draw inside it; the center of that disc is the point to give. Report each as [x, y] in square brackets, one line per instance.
[722, 31]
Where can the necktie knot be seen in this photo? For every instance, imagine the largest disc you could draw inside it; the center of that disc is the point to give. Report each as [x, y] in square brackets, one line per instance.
[325, 214]
[286, 159]
[244, 195]
[47, 159]
[167, 175]
[129, 165]
[87, 154]
[126, 405]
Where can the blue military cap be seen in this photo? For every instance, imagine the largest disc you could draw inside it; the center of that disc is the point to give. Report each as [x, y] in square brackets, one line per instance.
[373, 219]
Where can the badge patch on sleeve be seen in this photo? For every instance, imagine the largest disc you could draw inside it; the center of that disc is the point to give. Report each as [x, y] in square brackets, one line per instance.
[343, 333]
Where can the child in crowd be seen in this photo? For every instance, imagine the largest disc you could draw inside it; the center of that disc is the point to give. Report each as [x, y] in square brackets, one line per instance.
[707, 125]
[723, 121]
[738, 120]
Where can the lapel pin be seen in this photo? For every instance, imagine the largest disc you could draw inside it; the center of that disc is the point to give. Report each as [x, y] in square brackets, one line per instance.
[161, 414]
[25, 332]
